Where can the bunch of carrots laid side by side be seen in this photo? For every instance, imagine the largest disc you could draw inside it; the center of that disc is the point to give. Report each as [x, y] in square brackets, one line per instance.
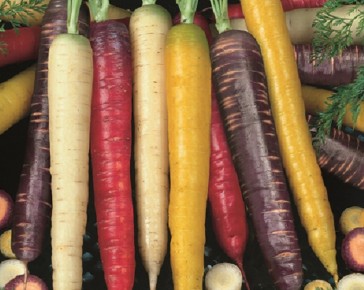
[217, 111]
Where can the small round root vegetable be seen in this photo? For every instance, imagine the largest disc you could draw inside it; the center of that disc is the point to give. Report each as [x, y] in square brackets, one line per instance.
[26, 282]
[11, 268]
[15, 98]
[6, 208]
[5, 245]
[350, 219]
[224, 276]
[318, 285]
[352, 250]
[353, 281]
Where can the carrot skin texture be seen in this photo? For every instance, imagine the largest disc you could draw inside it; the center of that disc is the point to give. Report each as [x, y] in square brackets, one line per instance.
[149, 25]
[243, 99]
[70, 91]
[21, 45]
[188, 84]
[336, 71]
[342, 155]
[111, 139]
[266, 22]
[33, 199]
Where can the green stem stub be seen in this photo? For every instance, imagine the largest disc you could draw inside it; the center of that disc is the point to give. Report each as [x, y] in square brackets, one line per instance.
[148, 2]
[188, 9]
[99, 9]
[220, 9]
[73, 11]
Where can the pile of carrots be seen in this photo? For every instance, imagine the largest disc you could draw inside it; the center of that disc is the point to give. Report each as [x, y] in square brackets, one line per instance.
[164, 118]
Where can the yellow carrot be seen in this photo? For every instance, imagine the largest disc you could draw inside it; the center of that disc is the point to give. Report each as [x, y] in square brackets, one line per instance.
[316, 101]
[149, 25]
[188, 84]
[266, 21]
[69, 90]
[15, 97]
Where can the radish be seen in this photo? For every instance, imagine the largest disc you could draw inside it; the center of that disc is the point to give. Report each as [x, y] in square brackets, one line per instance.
[33, 198]
[20, 44]
[149, 25]
[70, 77]
[110, 142]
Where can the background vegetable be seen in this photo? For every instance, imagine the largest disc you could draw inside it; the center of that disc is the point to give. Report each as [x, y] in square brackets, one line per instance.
[110, 144]
[19, 45]
[266, 22]
[352, 217]
[352, 249]
[224, 276]
[9, 269]
[149, 25]
[5, 245]
[6, 209]
[188, 85]
[318, 285]
[317, 100]
[15, 98]
[33, 198]
[32, 282]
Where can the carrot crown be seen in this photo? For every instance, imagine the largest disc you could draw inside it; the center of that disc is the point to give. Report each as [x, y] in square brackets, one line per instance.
[99, 9]
[148, 2]
[73, 11]
[187, 9]
[220, 9]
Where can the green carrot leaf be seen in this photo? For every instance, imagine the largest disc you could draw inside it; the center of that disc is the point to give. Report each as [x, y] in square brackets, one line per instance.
[73, 11]
[99, 9]
[188, 9]
[220, 10]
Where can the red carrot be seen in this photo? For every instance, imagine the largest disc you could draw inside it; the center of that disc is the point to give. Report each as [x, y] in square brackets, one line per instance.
[33, 199]
[111, 141]
[18, 45]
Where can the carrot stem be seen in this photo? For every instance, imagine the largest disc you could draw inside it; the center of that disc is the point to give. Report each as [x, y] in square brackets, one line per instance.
[187, 9]
[73, 11]
[99, 9]
[220, 9]
[148, 2]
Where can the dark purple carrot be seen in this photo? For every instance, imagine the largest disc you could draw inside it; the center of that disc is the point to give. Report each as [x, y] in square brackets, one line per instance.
[341, 154]
[33, 200]
[336, 71]
[241, 89]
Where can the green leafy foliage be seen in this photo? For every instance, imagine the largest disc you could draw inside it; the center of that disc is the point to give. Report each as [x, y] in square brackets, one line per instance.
[332, 34]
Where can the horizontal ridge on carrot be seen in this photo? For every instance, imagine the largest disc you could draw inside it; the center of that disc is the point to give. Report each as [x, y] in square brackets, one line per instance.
[241, 89]
[266, 22]
[110, 144]
[188, 88]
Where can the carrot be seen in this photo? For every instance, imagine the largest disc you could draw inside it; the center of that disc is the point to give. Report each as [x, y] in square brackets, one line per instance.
[149, 25]
[335, 71]
[20, 45]
[225, 199]
[316, 101]
[33, 198]
[350, 218]
[243, 100]
[111, 141]
[341, 154]
[266, 22]
[70, 78]
[6, 209]
[28, 13]
[15, 98]
[188, 88]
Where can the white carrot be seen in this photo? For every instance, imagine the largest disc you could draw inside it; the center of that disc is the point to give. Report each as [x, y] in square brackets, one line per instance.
[149, 25]
[70, 89]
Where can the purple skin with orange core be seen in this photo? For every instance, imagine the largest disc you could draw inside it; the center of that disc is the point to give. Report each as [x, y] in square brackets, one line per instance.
[33, 282]
[6, 209]
[352, 249]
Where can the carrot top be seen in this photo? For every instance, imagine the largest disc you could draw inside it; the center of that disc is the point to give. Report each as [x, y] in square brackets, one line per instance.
[73, 11]
[220, 9]
[187, 9]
